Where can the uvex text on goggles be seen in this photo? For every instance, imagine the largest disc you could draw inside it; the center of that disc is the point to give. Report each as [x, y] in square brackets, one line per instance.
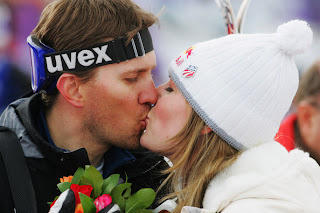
[48, 64]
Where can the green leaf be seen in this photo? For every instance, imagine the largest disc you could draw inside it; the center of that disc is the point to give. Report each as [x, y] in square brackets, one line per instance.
[117, 197]
[77, 176]
[84, 181]
[63, 186]
[143, 211]
[53, 200]
[87, 204]
[127, 194]
[95, 178]
[126, 177]
[140, 200]
[109, 183]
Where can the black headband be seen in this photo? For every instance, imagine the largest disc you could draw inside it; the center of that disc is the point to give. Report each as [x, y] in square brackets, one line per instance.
[110, 52]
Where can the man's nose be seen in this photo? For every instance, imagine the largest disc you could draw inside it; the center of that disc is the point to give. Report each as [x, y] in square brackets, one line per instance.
[149, 94]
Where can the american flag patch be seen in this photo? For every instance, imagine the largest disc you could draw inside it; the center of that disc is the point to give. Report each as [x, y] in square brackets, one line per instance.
[189, 72]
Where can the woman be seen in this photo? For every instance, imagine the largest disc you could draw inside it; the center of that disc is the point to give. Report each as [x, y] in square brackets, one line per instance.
[217, 116]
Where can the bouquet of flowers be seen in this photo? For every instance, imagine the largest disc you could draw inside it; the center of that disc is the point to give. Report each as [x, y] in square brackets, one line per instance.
[87, 192]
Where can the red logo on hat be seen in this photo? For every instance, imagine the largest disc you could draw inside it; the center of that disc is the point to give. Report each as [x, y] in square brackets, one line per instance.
[189, 51]
[179, 61]
[189, 72]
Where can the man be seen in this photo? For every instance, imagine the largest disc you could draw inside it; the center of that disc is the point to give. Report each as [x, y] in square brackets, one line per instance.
[301, 129]
[92, 63]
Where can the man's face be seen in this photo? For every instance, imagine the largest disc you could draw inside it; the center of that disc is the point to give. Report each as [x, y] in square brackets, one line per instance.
[118, 100]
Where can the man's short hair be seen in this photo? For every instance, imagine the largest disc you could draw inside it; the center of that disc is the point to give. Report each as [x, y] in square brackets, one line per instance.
[71, 24]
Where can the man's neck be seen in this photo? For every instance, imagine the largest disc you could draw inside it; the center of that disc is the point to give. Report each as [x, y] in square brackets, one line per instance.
[67, 133]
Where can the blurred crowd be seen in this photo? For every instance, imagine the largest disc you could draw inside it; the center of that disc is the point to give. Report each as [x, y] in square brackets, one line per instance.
[182, 22]
[17, 18]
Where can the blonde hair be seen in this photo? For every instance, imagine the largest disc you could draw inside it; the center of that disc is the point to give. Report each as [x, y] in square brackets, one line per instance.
[72, 24]
[199, 158]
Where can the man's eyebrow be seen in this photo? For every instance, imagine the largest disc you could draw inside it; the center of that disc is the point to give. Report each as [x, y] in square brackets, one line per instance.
[138, 70]
[131, 71]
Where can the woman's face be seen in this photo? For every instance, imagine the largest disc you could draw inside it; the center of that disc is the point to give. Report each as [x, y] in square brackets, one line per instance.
[166, 119]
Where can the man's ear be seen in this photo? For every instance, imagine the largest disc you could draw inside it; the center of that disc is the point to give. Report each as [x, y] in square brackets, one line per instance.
[68, 85]
[205, 130]
[305, 112]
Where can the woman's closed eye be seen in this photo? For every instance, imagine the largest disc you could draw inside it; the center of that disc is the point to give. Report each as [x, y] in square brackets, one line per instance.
[169, 89]
[131, 79]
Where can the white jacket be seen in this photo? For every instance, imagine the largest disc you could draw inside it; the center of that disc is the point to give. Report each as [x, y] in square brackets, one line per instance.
[265, 179]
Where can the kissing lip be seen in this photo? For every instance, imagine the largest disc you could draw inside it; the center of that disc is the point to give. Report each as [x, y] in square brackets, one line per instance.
[145, 118]
[144, 121]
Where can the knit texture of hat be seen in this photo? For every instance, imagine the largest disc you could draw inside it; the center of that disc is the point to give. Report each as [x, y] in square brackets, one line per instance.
[242, 85]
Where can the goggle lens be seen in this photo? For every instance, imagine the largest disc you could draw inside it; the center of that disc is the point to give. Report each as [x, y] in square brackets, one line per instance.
[38, 74]
[34, 80]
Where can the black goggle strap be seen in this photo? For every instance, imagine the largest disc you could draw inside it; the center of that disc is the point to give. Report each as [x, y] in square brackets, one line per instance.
[114, 51]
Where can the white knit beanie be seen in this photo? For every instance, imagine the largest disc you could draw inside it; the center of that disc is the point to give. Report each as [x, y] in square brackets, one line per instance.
[242, 85]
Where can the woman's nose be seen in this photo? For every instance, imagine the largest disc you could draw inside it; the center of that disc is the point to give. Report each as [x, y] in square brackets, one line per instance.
[160, 90]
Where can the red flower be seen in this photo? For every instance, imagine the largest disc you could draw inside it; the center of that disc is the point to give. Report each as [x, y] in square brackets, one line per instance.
[102, 201]
[84, 189]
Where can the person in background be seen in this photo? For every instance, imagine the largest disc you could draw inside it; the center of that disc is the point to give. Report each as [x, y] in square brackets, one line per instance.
[301, 129]
[91, 75]
[216, 119]
[14, 82]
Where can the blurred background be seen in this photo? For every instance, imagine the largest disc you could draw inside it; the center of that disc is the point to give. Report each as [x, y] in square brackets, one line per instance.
[182, 23]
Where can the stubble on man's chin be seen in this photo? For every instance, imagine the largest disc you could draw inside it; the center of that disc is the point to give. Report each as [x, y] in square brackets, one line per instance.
[133, 142]
[136, 140]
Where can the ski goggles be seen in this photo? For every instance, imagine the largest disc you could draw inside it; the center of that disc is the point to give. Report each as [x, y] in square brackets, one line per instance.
[48, 65]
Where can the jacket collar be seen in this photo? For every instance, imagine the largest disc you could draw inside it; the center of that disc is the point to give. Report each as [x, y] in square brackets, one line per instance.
[29, 112]
[253, 167]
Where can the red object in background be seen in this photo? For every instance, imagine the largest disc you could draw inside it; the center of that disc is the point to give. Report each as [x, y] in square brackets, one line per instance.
[230, 28]
[285, 135]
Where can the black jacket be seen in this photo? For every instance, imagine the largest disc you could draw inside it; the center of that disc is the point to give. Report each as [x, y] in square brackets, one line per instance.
[48, 163]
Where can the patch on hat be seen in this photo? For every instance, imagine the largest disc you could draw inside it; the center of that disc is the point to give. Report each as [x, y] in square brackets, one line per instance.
[189, 51]
[189, 72]
[179, 61]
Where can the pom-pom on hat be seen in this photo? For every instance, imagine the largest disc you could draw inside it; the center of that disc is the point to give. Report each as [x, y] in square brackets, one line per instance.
[242, 85]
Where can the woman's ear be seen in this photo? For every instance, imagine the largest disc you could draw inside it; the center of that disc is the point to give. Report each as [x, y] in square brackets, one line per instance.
[68, 85]
[205, 130]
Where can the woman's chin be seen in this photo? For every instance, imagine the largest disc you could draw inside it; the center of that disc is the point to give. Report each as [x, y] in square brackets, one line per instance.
[148, 143]
[144, 141]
